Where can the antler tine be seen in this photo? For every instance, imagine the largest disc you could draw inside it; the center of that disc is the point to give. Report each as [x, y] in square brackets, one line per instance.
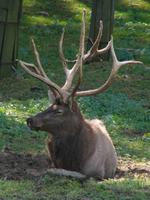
[94, 49]
[97, 41]
[51, 84]
[117, 64]
[41, 70]
[115, 67]
[61, 54]
[39, 73]
[32, 66]
[37, 58]
[78, 64]
[81, 53]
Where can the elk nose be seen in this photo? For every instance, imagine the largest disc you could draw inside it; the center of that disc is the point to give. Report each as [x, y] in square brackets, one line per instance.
[30, 122]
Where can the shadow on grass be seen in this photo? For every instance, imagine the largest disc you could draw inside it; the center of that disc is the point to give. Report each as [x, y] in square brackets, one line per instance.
[135, 12]
[86, 2]
[21, 89]
[58, 8]
[147, 1]
[16, 136]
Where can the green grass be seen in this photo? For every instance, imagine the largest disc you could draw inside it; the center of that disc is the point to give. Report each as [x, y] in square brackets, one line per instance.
[124, 107]
[132, 22]
[17, 190]
[55, 188]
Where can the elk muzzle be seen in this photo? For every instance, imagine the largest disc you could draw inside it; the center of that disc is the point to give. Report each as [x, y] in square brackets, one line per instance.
[34, 123]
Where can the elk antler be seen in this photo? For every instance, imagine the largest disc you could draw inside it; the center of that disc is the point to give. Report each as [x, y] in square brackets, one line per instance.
[115, 67]
[70, 73]
[94, 51]
[39, 73]
[66, 90]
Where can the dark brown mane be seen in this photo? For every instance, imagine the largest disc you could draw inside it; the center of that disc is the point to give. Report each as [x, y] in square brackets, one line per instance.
[71, 151]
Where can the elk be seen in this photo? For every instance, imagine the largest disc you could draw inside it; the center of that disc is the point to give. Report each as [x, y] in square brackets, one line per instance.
[75, 143]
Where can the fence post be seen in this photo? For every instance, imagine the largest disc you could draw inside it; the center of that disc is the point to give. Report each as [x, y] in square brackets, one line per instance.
[102, 10]
[10, 12]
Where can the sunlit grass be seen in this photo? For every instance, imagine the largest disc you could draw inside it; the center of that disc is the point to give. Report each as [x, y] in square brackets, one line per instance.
[41, 20]
[29, 3]
[140, 4]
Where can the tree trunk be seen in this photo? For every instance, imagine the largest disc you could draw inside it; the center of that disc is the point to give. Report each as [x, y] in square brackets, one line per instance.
[102, 10]
[10, 11]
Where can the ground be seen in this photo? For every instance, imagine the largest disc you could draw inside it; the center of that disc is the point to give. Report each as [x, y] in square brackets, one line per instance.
[25, 168]
[124, 108]
[15, 166]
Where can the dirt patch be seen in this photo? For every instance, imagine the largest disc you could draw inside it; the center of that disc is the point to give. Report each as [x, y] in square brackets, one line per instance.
[19, 166]
[16, 166]
[127, 167]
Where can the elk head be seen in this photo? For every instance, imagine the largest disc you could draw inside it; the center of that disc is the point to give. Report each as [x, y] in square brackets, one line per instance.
[58, 118]
[64, 109]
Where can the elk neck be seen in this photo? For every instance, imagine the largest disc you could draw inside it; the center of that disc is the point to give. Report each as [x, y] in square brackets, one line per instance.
[73, 148]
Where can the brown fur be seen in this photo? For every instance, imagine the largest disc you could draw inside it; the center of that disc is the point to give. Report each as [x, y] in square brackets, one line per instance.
[75, 143]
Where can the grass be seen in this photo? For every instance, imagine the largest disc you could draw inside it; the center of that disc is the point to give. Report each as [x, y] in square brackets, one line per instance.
[132, 22]
[62, 188]
[124, 108]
